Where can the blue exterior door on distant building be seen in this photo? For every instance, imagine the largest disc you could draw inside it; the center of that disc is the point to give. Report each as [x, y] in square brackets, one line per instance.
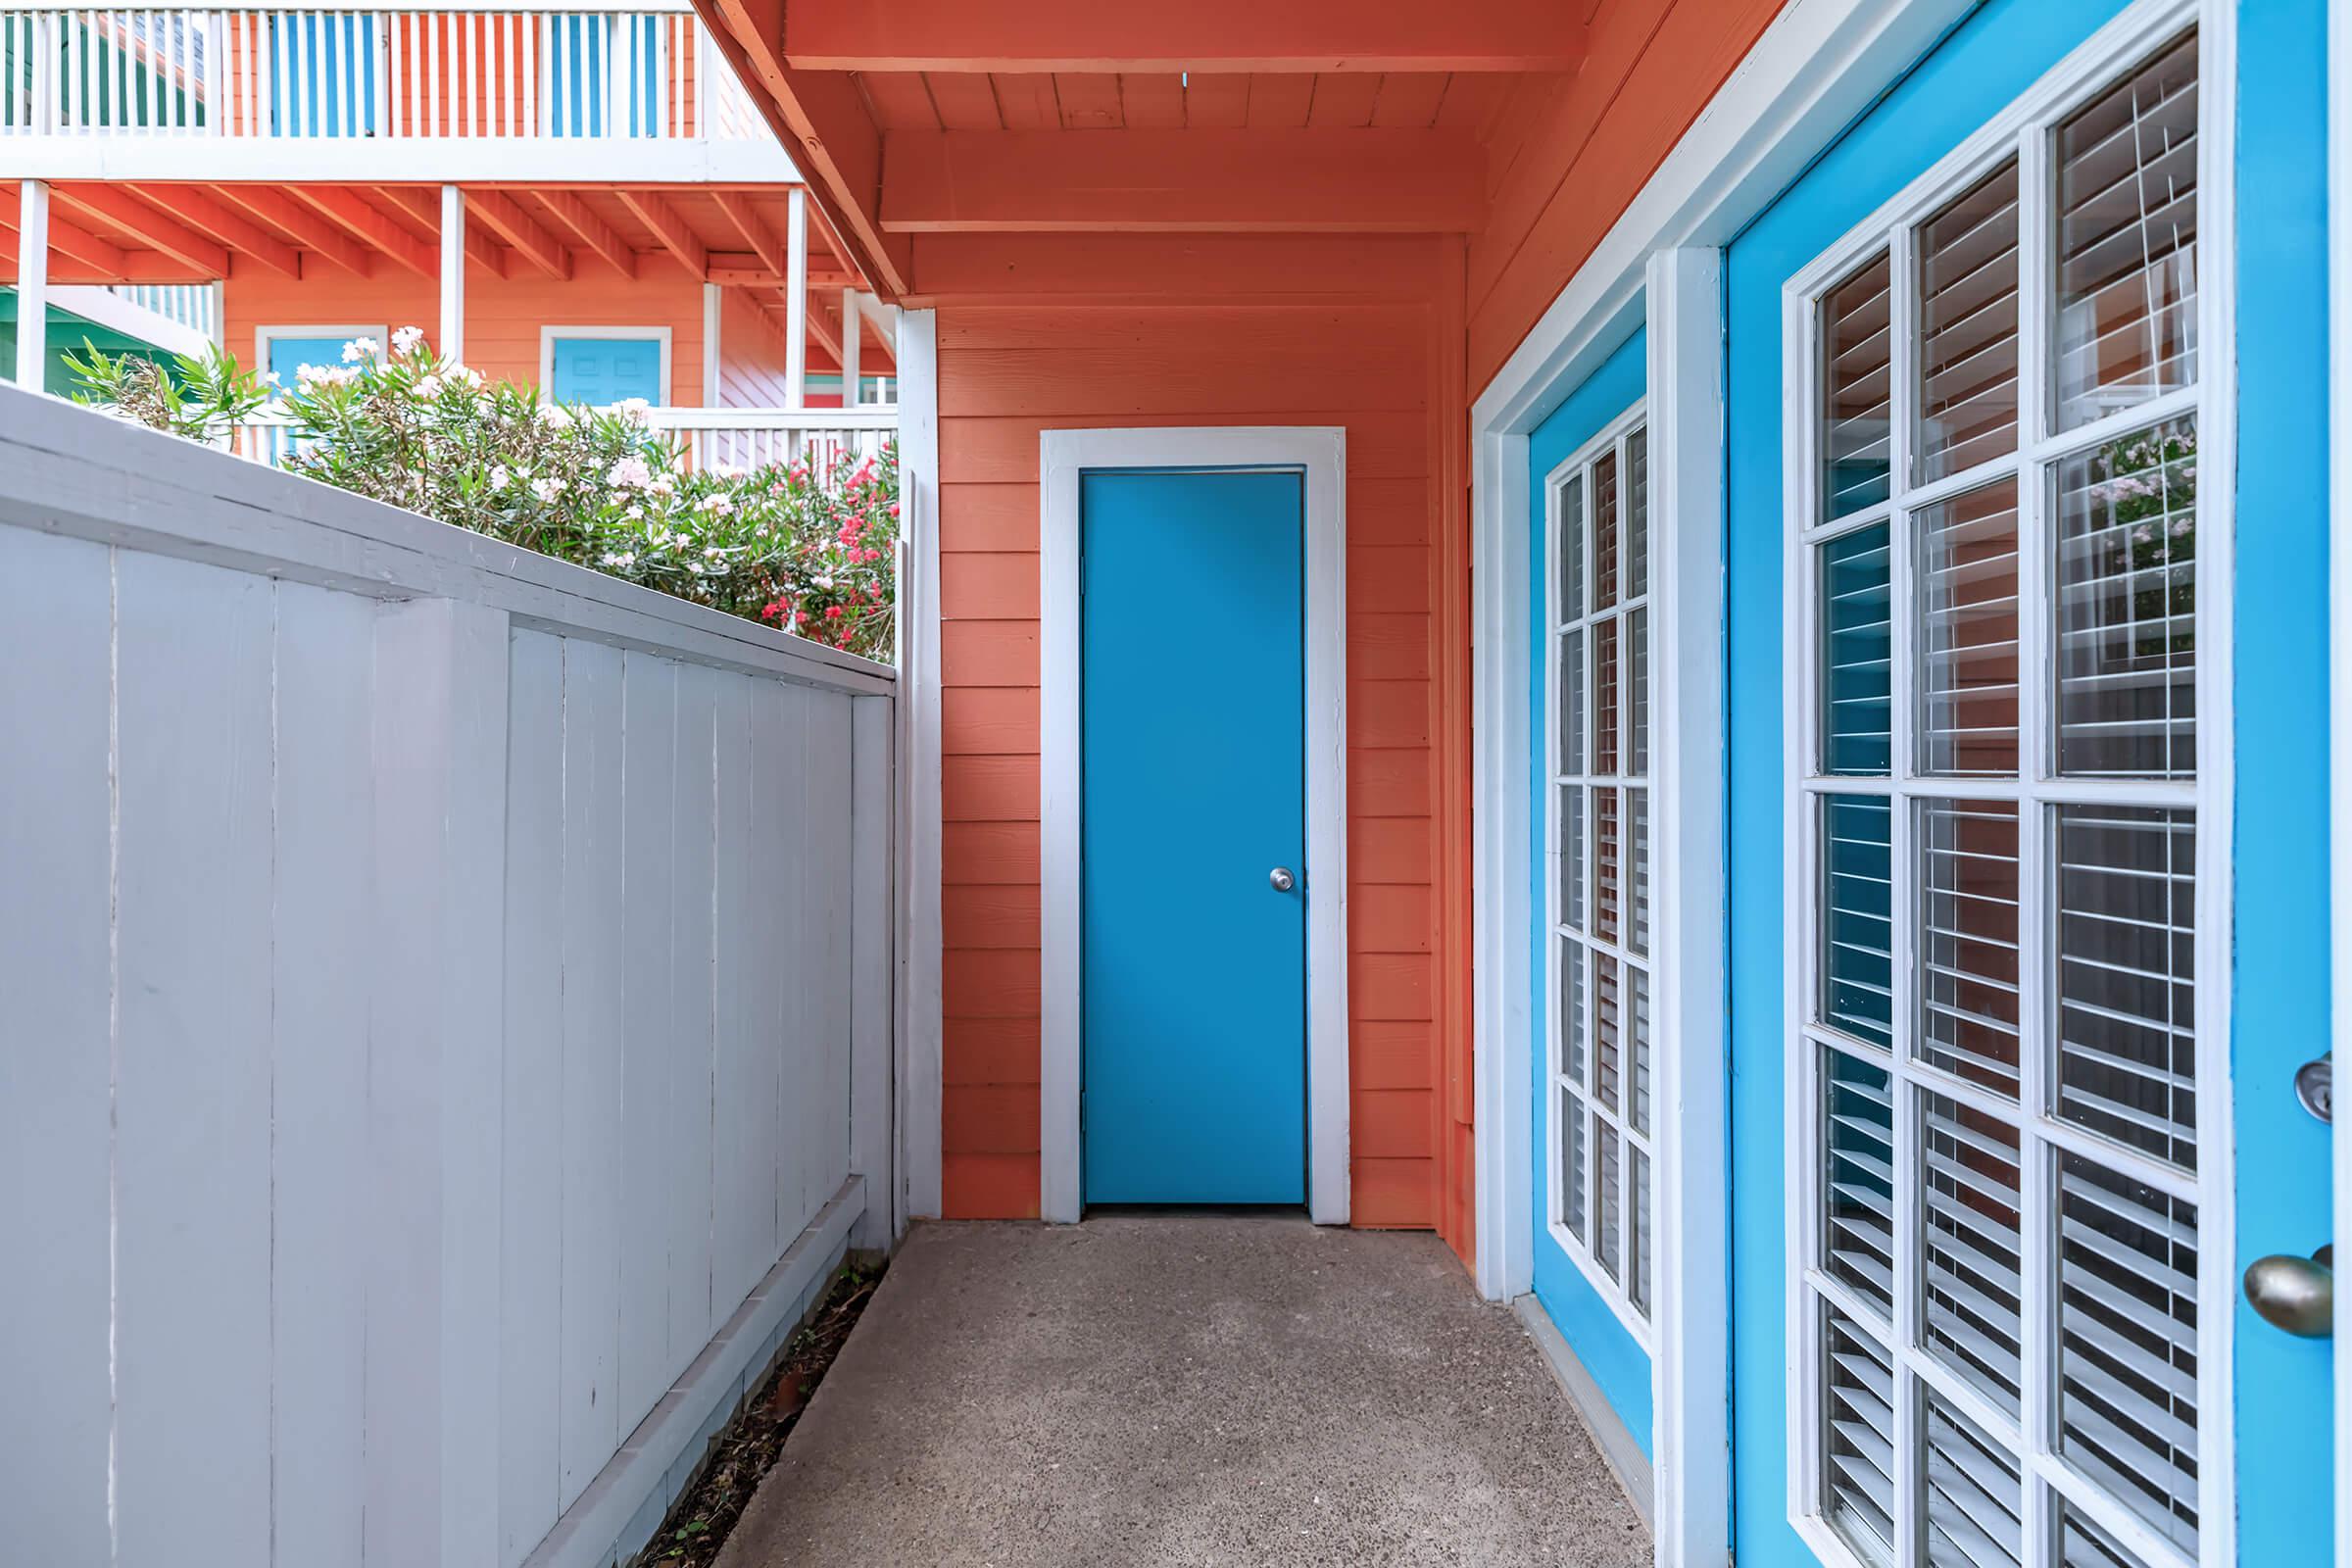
[604, 371]
[1192, 876]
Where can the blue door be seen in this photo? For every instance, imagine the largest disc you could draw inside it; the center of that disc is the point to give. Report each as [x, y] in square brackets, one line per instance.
[1192, 964]
[2028, 806]
[603, 371]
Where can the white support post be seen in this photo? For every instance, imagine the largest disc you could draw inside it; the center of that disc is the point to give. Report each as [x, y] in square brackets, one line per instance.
[33, 286]
[853, 334]
[795, 302]
[921, 958]
[452, 343]
[1691, 1370]
[873, 937]
[712, 308]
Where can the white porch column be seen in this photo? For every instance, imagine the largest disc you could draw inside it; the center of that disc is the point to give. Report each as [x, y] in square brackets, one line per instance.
[33, 286]
[452, 341]
[852, 335]
[796, 302]
[714, 308]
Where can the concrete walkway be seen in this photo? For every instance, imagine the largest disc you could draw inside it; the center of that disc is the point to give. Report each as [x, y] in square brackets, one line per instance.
[1186, 1389]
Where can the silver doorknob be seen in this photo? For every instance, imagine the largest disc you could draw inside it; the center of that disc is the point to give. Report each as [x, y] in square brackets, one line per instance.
[1281, 879]
[2295, 1294]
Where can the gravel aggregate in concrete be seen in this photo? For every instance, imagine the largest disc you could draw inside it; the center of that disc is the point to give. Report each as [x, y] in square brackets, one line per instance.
[1220, 1390]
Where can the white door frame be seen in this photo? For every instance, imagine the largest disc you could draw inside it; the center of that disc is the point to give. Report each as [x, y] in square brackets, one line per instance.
[1815, 69]
[1320, 454]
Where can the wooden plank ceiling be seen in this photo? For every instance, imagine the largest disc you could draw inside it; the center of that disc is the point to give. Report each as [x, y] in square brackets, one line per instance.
[1196, 117]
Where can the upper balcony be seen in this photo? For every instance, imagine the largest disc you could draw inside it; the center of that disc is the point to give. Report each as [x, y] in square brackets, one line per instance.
[622, 91]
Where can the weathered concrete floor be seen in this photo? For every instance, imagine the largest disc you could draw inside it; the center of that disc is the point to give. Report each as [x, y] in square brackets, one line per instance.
[1230, 1390]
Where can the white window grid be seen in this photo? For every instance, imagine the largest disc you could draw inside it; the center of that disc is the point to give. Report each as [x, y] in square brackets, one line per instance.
[2050, 1484]
[1630, 1288]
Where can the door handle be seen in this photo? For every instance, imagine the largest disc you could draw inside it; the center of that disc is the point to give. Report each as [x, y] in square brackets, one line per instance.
[1281, 880]
[2295, 1294]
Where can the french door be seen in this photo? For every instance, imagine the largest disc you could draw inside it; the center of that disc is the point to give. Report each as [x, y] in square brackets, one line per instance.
[2009, 915]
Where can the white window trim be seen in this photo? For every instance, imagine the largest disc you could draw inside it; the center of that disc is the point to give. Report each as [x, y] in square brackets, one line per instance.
[2092, 65]
[549, 335]
[1320, 454]
[1610, 438]
[263, 336]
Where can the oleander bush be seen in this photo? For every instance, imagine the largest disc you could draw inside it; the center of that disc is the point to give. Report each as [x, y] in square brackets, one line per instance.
[810, 553]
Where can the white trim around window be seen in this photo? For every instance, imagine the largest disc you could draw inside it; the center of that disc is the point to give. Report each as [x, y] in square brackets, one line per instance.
[263, 336]
[550, 336]
[1928, 788]
[1319, 452]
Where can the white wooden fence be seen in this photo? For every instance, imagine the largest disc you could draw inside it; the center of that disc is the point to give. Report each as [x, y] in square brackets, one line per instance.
[446, 1035]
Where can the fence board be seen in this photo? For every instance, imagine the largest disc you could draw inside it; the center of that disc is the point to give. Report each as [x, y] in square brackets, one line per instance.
[595, 958]
[650, 701]
[326, 676]
[192, 1100]
[692, 1022]
[56, 660]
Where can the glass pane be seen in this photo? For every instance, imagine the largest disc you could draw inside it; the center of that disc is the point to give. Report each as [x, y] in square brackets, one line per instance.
[1572, 856]
[1857, 1178]
[1572, 702]
[2127, 606]
[2083, 1544]
[1968, 1186]
[2127, 976]
[1975, 1502]
[2128, 1344]
[1572, 1163]
[2125, 170]
[1608, 892]
[1572, 1011]
[1968, 328]
[1968, 941]
[1856, 380]
[1571, 565]
[1636, 805]
[1857, 672]
[1636, 514]
[1636, 1286]
[1968, 626]
[1604, 697]
[1604, 531]
[1858, 1483]
[1608, 1036]
[1609, 1210]
[1637, 659]
[1857, 993]
[1638, 1107]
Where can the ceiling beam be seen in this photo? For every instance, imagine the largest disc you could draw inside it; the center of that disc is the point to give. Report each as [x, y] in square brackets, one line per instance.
[757, 234]
[225, 223]
[505, 216]
[676, 237]
[1209, 36]
[99, 255]
[424, 206]
[311, 232]
[821, 119]
[824, 325]
[743, 267]
[117, 207]
[1362, 181]
[370, 226]
[591, 230]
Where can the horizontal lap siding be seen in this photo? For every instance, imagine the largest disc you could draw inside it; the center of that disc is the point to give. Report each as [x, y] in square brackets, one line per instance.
[1007, 373]
[503, 315]
[1566, 155]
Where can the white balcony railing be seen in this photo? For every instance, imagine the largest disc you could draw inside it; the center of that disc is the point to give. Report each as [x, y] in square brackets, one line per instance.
[353, 82]
[826, 439]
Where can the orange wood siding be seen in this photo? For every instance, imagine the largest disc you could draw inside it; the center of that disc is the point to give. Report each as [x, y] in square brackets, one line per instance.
[503, 315]
[751, 355]
[1565, 155]
[1372, 365]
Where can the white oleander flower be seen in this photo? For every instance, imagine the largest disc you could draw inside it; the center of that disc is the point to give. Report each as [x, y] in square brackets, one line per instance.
[405, 340]
[362, 348]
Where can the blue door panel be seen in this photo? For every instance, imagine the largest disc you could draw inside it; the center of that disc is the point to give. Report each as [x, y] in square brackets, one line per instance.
[288, 355]
[1193, 967]
[1588, 1323]
[2283, 1412]
[603, 371]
